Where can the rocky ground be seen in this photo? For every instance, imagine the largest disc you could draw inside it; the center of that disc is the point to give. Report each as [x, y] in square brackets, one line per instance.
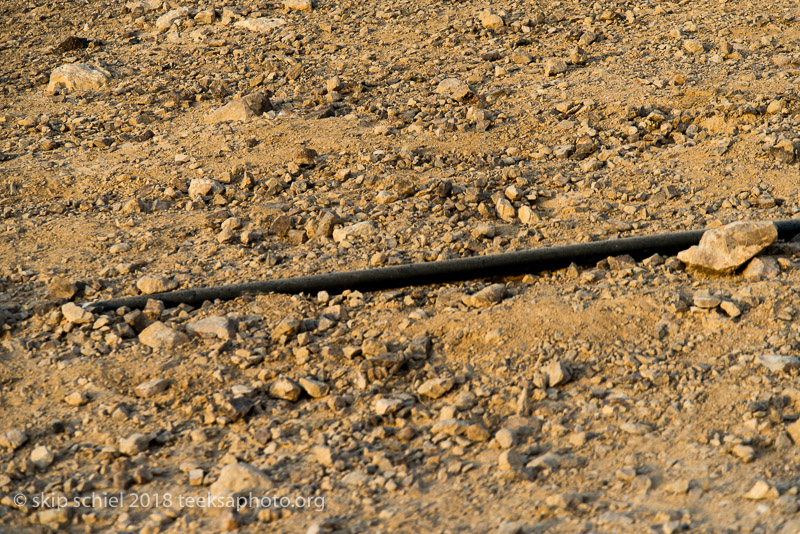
[149, 145]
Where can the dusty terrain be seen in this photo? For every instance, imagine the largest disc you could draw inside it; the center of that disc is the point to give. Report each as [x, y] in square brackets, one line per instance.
[618, 397]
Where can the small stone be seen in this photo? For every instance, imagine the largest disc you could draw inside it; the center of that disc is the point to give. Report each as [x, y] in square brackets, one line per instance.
[78, 77]
[477, 432]
[505, 210]
[637, 429]
[558, 373]
[490, 21]
[75, 314]
[196, 477]
[203, 186]
[284, 388]
[298, 5]
[42, 457]
[486, 296]
[61, 288]
[454, 88]
[510, 460]
[314, 388]
[384, 406]
[363, 228]
[436, 387]
[794, 431]
[706, 300]
[761, 490]
[242, 109]
[305, 156]
[149, 285]
[761, 268]
[160, 336]
[730, 308]
[728, 247]
[13, 439]
[152, 387]
[72, 43]
[505, 437]
[76, 398]
[260, 24]
[289, 326]
[679, 486]
[744, 452]
[555, 66]
[134, 444]
[693, 46]
[323, 455]
[165, 21]
[218, 326]
[240, 477]
[778, 362]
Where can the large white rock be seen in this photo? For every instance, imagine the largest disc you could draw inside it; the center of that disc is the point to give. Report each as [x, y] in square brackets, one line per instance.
[725, 248]
[78, 77]
[260, 25]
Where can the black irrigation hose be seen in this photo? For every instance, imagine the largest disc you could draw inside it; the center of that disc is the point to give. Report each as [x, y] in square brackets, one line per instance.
[437, 272]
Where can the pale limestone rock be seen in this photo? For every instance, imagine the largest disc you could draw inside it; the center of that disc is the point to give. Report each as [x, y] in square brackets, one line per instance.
[241, 109]
[78, 77]
[219, 326]
[160, 336]
[728, 247]
[260, 25]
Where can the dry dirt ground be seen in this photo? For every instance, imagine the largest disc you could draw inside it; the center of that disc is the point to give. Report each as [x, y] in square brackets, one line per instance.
[618, 397]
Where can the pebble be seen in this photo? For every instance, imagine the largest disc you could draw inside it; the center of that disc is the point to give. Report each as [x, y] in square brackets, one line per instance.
[323, 455]
[160, 336]
[13, 439]
[298, 5]
[76, 398]
[385, 406]
[347, 233]
[61, 288]
[165, 21]
[260, 24]
[152, 387]
[779, 363]
[435, 388]
[285, 388]
[134, 444]
[490, 21]
[555, 66]
[240, 477]
[217, 326]
[42, 457]
[241, 109]
[486, 297]
[149, 285]
[510, 460]
[75, 314]
[505, 437]
[314, 388]
[761, 490]
[558, 373]
[761, 268]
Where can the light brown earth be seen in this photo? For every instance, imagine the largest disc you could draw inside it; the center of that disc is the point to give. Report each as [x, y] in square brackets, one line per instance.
[674, 116]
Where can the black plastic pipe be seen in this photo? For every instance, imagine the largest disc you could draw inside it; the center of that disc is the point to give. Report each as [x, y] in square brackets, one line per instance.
[438, 272]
